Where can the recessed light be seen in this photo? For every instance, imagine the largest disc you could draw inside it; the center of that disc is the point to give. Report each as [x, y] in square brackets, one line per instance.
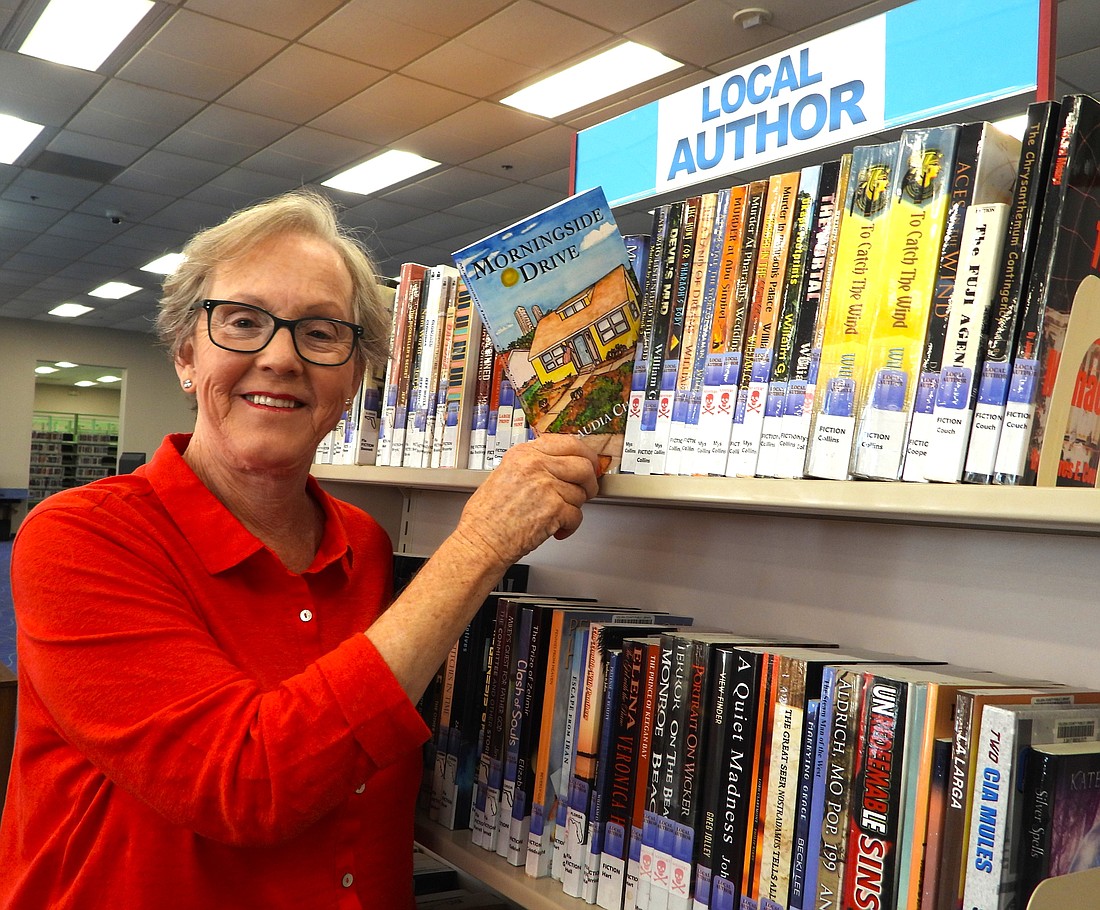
[83, 33]
[15, 136]
[109, 378]
[114, 290]
[590, 80]
[45, 371]
[84, 383]
[165, 265]
[380, 171]
[70, 310]
[65, 364]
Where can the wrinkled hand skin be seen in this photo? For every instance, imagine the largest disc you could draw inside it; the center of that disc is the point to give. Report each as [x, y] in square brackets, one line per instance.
[536, 492]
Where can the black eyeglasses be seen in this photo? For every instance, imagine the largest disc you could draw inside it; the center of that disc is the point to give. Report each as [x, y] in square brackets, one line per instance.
[246, 329]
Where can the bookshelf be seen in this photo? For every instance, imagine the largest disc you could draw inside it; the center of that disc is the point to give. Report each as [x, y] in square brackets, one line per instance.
[69, 450]
[993, 577]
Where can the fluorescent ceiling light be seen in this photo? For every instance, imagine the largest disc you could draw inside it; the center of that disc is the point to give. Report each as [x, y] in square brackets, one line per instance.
[83, 33]
[165, 265]
[84, 383]
[45, 371]
[109, 378]
[114, 290]
[592, 79]
[69, 310]
[380, 171]
[15, 136]
[65, 364]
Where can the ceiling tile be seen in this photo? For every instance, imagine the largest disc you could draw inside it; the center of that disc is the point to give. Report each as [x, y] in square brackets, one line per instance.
[95, 148]
[41, 91]
[391, 109]
[701, 32]
[286, 19]
[222, 135]
[447, 19]
[130, 113]
[464, 68]
[164, 172]
[473, 132]
[199, 56]
[299, 84]
[534, 156]
[306, 155]
[238, 187]
[510, 33]
[615, 15]
[393, 43]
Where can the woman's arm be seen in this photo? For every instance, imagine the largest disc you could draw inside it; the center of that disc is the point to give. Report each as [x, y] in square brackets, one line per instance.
[535, 493]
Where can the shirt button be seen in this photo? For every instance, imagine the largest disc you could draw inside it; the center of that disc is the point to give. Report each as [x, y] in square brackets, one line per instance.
[347, 880]
[360, 788]
[305, 615]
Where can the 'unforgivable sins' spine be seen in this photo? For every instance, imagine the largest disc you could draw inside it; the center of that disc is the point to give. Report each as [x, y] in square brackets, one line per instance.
[870, 875]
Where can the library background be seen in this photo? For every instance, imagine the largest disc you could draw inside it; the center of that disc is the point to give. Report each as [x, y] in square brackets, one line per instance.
[207, 106]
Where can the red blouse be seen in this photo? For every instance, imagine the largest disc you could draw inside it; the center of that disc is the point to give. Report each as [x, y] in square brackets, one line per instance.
[199, 727]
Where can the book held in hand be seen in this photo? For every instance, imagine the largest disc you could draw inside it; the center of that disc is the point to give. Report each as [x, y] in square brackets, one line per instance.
[558, 295]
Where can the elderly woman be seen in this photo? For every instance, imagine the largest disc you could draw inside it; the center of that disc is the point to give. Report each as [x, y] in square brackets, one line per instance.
[216, 698]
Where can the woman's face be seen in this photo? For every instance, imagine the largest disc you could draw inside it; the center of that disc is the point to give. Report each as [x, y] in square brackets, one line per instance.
[269, 410]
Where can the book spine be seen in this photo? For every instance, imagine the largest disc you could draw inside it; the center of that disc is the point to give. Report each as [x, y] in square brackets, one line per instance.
[1010, 465]
[598, 807]
[819, 785]
[842, 741]
[1039, 791]
[684, 257]
[781, 798]
[937, 815]
[623, 772]
[574, 692]
[514, 721]
[1017, 261]
[527, 751]
[719, 385]
[649, 460]
[479, 421]
[755, 836]
[743, 316]
[639, 867]
[963, 179]
[770, 461]
[694, 459]
[718, 706]
[408, 359]
[870, 877]
[799, 404]
[800, 850]
[855, 290]
[986, 845]
[957, 386]
[643, 349]
[455, 418]
[434, 446]
[918, 210]
[678, 439]
[736, 774]
[760, 346]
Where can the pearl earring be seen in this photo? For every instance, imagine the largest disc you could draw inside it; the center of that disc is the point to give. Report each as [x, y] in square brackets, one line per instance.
[187, 383]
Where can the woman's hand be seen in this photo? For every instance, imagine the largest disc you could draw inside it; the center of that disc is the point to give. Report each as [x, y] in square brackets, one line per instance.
[536, 492]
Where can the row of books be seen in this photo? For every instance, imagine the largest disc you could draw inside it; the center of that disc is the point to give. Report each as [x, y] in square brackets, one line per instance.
[447, 401]
[924, 309]
[647, 764]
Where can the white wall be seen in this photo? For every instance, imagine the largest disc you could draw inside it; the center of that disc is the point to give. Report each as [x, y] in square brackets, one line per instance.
[62, 399]
[151, 403]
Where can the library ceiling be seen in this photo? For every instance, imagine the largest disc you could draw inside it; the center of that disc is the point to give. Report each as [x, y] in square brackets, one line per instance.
[210, 105]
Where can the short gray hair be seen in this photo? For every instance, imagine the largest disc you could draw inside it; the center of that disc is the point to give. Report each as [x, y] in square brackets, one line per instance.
[304, 211]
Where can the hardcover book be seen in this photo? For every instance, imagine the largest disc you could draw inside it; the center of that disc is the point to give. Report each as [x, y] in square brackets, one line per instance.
[1060, 290]
[1061, 813]
[1017, 261]
[558, 295]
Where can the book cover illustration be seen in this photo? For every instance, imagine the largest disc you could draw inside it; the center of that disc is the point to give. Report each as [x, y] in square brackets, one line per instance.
[558, 294]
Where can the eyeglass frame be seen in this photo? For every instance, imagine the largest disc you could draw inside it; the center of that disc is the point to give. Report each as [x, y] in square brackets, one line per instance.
[278, 322]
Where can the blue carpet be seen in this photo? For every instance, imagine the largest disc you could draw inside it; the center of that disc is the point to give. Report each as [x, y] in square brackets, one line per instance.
[7, 612]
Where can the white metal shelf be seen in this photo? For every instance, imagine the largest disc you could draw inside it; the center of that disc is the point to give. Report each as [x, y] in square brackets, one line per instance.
[1059, 510]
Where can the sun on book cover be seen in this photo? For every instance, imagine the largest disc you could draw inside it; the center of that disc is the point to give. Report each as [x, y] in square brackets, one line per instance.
[559, 296]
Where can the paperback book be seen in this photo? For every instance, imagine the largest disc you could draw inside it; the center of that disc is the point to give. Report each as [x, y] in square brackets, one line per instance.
[560, 300]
